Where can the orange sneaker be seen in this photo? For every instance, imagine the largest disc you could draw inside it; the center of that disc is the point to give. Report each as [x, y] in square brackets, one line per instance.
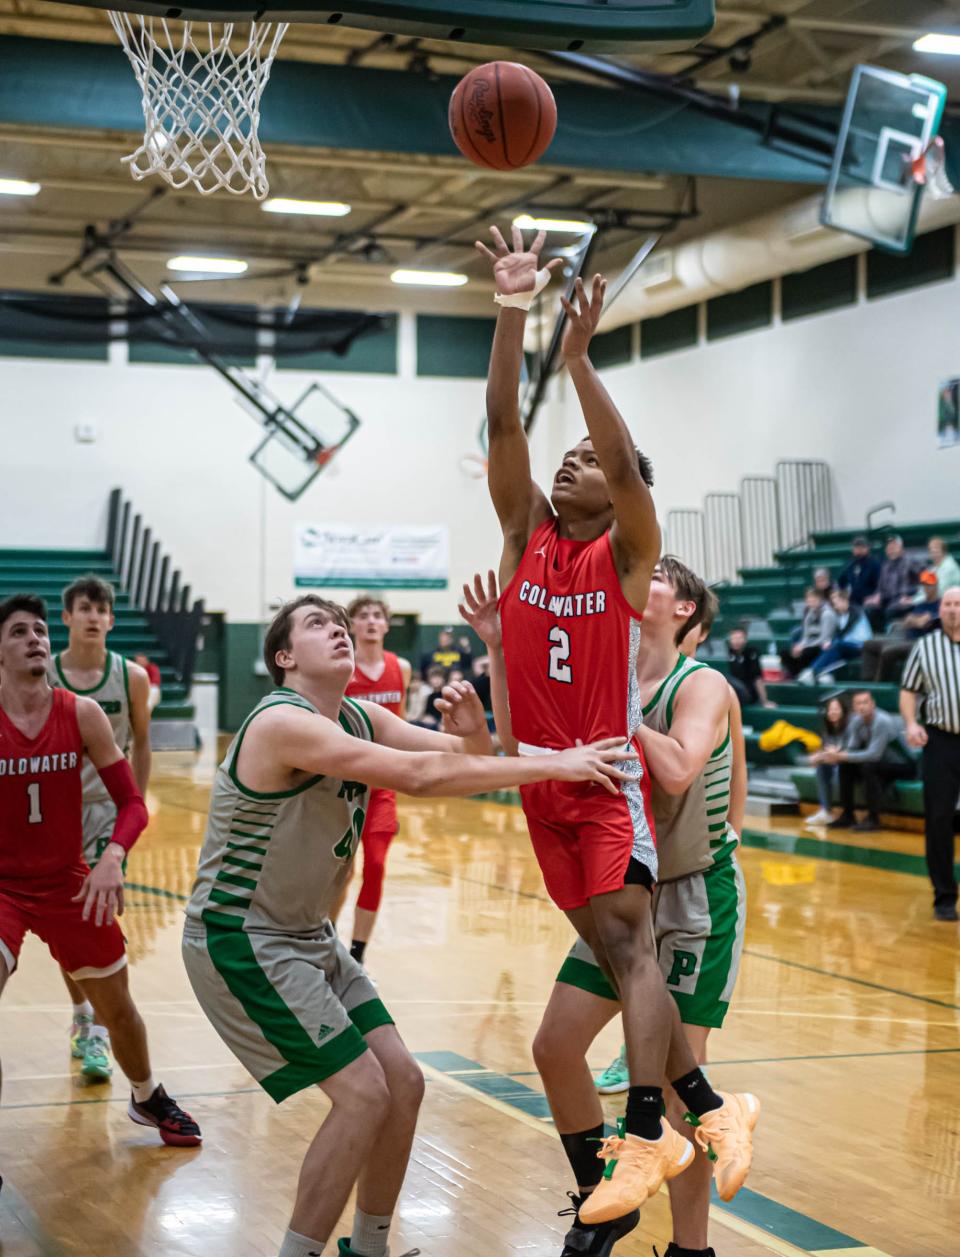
[726, 1136]
[636, 1169]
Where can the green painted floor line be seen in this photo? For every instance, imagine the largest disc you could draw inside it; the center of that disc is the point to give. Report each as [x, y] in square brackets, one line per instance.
[778, 1060]
[836, 852]
[844, 977]
[156, 890]
[766, 1214]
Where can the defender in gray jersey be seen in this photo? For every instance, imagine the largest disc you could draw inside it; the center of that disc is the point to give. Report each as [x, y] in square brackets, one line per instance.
[267, 967]
[121, 690]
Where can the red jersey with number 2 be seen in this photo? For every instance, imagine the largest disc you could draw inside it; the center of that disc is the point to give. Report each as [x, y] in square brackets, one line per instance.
[41, 797]
[570, 641]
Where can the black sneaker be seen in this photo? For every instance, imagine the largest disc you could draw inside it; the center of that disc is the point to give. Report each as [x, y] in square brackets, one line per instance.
[844, 821]
[673, 1251]
[594, 1241]
[946, 912]
[175, 1126]
[869, 825]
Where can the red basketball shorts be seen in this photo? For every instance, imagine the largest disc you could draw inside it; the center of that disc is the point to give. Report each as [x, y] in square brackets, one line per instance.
[584, 837]
[82, 948]
[381, 817]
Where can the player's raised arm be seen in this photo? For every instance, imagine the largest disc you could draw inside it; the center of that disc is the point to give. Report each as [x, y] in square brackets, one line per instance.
[302, 742]
[102, 890]
[480, 609]
[635, 536]
[676, 759]
[520, 504]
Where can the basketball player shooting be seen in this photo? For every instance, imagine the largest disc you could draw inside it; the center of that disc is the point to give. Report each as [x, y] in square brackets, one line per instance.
[575, 573]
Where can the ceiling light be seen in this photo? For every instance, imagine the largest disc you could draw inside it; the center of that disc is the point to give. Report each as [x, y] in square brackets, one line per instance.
[18, 187]
[292, 205]
[948, 44]
[576, 226]
[212, 266]
[429, 279]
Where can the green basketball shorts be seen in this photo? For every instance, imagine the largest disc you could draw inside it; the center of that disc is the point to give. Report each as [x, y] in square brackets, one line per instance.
[99, 818]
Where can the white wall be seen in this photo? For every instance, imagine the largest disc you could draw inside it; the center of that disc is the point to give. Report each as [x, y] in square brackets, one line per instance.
[856, 387]
[177, 444]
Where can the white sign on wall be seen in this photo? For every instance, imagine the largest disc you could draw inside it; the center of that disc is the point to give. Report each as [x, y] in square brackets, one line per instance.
[371, 556]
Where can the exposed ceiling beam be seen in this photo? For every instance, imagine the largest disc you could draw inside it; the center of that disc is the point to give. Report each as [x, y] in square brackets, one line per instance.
[846, 26]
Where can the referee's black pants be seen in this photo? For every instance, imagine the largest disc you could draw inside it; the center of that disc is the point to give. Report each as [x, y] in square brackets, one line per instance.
[941, 789]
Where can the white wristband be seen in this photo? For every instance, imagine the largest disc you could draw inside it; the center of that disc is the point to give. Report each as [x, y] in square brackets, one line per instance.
[524, 300]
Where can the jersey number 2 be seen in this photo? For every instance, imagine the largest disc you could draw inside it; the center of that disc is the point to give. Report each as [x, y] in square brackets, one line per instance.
[559, 669]
[33, 794]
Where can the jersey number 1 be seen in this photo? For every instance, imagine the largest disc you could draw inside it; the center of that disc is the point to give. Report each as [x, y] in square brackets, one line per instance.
[559, 669]
[33, 794]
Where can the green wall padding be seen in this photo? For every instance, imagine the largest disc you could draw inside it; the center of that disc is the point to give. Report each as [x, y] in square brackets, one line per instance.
[454, 347]
[737, 312]
[823, 288]
[933, 258]
[669, 332]
[612, 349]
[374, 353]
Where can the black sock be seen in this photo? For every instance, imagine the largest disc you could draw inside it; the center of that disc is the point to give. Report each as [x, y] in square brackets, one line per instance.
[696, 1093]
[644, 1106]
[357, 948]
[581, 1150]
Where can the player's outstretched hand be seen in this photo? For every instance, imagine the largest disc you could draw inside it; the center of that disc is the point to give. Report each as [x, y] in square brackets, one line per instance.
[595, 762]
[515, 271]
[479, 609]
[102, 890]
[463, 714]
[582, 318]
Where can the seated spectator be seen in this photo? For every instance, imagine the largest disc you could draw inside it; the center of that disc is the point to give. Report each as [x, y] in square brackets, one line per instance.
[872, 753]
[431, 718]
[153, 675]
[895, 587]
[861, 574]
[418, 691]
[823, 581]
[819, 625]
[480, 680]
[834, 718]
[746, 675]
[447, 654]
[853, 629]
[943, 565]
[883, 656]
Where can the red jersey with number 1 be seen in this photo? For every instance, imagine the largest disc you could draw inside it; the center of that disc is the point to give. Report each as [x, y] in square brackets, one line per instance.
[570, 641]
[41, 797]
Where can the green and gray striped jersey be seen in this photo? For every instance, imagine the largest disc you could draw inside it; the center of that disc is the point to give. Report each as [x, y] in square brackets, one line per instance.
[276, 863]
[112, 692]
[693, 829]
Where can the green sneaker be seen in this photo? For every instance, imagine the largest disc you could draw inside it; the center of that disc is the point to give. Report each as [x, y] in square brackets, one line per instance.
[96, 1059]
[79, 1029]
[616, 1077]
[344, 1250]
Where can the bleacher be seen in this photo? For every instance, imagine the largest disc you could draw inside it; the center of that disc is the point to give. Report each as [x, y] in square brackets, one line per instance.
[768, 603]
[46, 572]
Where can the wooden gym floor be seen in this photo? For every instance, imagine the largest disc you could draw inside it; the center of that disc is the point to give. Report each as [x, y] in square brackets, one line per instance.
[845, 1022]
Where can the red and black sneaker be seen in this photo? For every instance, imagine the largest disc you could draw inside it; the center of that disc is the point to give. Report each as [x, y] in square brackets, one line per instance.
[175, 1126]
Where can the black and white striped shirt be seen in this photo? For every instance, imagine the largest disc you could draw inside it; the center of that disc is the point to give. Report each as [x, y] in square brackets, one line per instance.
[933, 670]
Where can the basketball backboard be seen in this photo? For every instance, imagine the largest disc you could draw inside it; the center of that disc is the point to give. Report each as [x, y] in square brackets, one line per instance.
[889, 121]
[302, 439]
[587, 25]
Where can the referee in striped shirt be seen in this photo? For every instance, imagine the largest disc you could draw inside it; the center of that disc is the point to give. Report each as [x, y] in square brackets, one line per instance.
[930, 706]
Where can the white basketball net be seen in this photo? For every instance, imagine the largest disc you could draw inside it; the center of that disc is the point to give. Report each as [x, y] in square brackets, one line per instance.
[201, 84]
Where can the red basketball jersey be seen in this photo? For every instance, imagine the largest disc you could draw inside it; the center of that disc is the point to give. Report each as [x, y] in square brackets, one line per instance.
[388, 690]
[41, 796]
[570, 641]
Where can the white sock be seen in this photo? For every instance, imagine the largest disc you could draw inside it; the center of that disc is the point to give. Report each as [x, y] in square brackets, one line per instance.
[142, 1091]
[295, 1245]
[99, 1032]
[83, 1010]
[370, 1234]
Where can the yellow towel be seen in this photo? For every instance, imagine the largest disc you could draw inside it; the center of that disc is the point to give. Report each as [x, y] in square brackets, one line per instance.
[782, 732]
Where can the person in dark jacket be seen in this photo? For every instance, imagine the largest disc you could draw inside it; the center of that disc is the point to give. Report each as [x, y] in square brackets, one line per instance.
[896, 587]
[746, 674]
[862, 574]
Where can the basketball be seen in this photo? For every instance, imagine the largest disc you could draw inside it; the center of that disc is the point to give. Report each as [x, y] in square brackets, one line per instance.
[502, 116]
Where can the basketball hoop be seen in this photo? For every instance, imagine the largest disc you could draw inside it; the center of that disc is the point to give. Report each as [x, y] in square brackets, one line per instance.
[201, 84]
[929, 170]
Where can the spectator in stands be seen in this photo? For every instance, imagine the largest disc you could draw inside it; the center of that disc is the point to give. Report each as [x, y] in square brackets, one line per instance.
[418, 691]
[883, 656]
[895, 588]
[861, 574]
[834, 718]
[823, 581]
[431, 718]
[853, 629]
[447, 654]
[943, 565]
[930, 704]
[153, 675]
[819, 625]
[746, 675]
[873, 753]
[480, 679]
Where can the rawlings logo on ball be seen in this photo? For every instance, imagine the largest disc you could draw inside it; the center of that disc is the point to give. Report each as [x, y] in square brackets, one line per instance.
[479, 114]
[502, 116]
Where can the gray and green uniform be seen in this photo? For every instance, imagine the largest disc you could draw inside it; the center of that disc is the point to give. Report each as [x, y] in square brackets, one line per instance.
[699, 904]
[264, 961]
[112, 693]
